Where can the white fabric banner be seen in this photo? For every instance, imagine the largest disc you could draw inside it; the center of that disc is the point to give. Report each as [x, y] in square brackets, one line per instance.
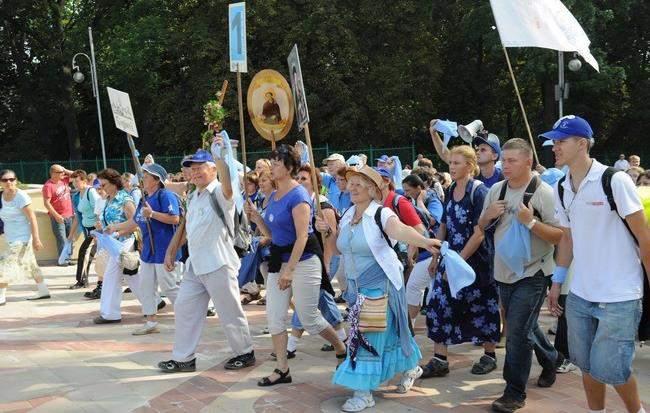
[541, 23]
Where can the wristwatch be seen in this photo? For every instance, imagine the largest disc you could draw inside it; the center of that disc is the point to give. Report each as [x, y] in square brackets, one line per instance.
[531, 224]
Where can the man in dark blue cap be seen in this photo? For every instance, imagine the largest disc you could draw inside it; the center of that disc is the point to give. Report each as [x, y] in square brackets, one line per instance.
[211, 269]
[594, 205]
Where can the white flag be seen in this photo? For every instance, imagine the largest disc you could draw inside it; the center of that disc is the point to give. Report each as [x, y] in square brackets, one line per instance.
[541, 23]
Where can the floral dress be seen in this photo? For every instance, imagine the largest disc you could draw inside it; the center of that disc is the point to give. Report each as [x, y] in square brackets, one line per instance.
[473, 316]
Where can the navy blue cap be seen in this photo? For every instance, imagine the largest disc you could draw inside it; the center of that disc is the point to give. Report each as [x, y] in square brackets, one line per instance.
[492, 141]
[383, 158]
[385, 173]
[567, 127]
[200, 156]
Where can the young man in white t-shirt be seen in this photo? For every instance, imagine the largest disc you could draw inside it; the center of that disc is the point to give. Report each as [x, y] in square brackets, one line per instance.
[604, 305]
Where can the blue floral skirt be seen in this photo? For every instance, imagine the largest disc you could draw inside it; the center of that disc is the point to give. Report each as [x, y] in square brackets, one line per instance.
[473, 316]
[371, 371]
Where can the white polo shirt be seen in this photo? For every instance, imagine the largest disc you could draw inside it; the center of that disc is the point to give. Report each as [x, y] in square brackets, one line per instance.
[209, 245]
[606, 263]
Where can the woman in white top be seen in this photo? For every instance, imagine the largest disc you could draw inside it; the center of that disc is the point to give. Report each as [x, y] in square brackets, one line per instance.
[17, 262]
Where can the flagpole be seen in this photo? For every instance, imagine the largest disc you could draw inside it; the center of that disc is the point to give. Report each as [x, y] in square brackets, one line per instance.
[521, 104]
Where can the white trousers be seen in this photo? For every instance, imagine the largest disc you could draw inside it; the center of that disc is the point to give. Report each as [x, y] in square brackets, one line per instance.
[418, 281]
[111, 298]
[149, 278]
[192, 304]
[305, 289]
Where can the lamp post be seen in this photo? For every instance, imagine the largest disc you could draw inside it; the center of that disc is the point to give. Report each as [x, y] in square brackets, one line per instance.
[562, 88]
[79, 77]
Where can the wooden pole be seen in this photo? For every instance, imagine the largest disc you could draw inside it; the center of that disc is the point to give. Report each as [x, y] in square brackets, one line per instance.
[314, 181]
[241, 120]
[272, 140]
[521, 104]
[139, 173]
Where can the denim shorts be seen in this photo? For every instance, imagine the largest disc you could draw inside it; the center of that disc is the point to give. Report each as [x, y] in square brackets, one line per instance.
[601, 337]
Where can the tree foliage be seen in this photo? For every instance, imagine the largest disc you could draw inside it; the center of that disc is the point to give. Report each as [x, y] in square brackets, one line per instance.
[375, 71]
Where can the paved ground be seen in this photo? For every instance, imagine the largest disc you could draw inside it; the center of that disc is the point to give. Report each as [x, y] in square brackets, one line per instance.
[53, 359]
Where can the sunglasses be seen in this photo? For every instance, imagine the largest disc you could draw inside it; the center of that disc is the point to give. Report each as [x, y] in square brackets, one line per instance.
[8, 180]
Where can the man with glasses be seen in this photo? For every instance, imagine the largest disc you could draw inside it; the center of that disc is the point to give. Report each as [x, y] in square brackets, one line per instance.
[58, 202]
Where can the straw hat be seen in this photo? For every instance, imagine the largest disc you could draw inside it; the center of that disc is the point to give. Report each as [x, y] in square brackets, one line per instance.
[368, 173]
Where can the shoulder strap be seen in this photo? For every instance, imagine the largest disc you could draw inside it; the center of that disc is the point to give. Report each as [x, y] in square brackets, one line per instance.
[396, 205]
[530, 189]
[475, 184]
[219, 211]
[381, 228]
[560, 191]
[1, 199]
[504, 189]
[606, 182]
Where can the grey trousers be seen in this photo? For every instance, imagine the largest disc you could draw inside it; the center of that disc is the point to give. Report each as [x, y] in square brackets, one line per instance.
[192, 304]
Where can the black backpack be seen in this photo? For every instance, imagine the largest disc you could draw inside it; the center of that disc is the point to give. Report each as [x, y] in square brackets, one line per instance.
[606, 182]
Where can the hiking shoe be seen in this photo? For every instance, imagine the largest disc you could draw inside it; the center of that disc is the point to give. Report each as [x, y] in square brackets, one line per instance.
[565, 367]
[95, 294]
[173, 366]
[507, 404]
[547, 378]
[484, 365]
[435, 368]
[240, 362]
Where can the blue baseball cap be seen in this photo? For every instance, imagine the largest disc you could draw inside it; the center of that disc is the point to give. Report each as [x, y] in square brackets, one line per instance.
[383, 158]
[492, 141]
[201, 156]
[567, 127]
[385, 173]
[156, 170]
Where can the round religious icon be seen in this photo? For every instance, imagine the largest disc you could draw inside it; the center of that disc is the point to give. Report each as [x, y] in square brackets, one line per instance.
[270, 105]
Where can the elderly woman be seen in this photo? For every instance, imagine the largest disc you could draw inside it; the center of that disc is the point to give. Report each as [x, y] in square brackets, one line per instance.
[473, 315]
[296, 265]
[130, 183]
[84, 204]
[156, 218]
[262, 165]
[366, 237]
[119, 208]
[18, 262]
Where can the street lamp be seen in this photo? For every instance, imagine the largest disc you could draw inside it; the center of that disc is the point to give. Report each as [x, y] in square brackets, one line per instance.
[562, 88]
[79, 77]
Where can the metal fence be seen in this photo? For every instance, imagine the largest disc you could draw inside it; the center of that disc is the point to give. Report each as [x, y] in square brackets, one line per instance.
[37, 172]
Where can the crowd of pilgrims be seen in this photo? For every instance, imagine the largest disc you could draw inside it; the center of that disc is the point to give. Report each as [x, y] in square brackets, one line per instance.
[357, 258]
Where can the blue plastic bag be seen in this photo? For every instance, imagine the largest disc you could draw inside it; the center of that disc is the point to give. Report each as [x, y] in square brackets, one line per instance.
[107, 242]
[66, 252]
[459, 273]
[514, 248]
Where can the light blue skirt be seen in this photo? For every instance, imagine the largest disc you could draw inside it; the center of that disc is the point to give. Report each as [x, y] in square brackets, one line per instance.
[371, 371]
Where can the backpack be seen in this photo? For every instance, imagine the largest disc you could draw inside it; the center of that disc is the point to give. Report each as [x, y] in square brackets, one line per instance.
[528, 193]
[606, 182]
[450, 191]
[241, 234]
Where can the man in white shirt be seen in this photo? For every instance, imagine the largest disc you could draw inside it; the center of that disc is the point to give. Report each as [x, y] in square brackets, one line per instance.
[604, 305]
[211, 269]
[622, 163]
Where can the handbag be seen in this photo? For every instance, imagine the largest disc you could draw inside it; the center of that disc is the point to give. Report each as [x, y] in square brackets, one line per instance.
[130, 260]
[373, 314]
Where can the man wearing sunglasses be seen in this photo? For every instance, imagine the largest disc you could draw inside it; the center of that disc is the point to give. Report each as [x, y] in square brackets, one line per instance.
[58, 202]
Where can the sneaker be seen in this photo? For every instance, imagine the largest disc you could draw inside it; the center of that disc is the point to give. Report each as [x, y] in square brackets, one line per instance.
[146, 329]
[240, 362]
[76, 285]
[484, 365]
[162, 304]
[264, 330]
[95, 294]
[359, 401]
[102, 320]
[127, 290]
[173, 366]
[435, 368]
[565, 367]
[211, 312]
[506, 404]
[37, 296]
[547, 378]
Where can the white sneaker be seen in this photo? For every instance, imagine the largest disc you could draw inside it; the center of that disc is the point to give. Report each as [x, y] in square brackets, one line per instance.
[359, 401]
[146, 329]
[566, 367]
[407, 380]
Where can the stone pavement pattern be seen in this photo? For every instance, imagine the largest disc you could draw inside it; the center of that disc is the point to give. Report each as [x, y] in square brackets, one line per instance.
[54, 359]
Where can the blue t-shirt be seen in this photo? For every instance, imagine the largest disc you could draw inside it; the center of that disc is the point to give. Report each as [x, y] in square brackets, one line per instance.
[489, 181]
[279, 219]
[165, 202]
[342, 202]
[333, 191]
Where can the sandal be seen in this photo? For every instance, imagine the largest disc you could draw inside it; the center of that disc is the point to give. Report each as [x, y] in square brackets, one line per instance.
[284, 378]
[407, 380]
[290, 355]
[358, 402]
